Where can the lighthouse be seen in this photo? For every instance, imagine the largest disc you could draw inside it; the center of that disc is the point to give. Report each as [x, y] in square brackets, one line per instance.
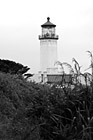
[48, 48]
[49, 72]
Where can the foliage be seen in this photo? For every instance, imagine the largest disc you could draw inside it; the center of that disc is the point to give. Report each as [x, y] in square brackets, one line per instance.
[30, 111]
[15, 96]
[35, 111]
[12, 67]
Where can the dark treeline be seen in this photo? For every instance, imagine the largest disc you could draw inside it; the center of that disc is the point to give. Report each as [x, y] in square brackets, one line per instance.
[12, 67]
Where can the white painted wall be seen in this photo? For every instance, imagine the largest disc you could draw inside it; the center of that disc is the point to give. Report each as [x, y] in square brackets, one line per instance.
[48, 53]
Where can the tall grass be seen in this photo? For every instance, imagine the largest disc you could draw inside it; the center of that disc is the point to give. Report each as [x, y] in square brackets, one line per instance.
[68, 117]
[69, 114]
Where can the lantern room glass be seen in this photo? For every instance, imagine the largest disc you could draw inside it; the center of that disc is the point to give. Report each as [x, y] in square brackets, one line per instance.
[48, 31]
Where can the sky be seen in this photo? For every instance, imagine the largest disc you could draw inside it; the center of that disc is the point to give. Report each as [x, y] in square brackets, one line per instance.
[20, 25]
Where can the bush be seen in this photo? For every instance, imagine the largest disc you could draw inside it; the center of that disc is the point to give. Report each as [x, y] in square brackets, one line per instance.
[30, 111]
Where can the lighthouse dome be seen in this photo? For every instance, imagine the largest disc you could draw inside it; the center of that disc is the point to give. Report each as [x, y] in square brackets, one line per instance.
[48, 23]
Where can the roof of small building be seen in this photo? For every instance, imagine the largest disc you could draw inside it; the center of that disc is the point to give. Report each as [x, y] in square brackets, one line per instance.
[66, 78]
[48, 23]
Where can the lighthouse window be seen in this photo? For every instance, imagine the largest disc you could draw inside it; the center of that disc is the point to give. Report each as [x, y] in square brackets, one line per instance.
[44, 31]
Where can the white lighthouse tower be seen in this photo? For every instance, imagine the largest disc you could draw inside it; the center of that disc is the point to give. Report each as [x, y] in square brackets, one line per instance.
[48, 48]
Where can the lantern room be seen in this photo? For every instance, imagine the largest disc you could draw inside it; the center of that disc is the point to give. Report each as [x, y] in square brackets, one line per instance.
[48, 30]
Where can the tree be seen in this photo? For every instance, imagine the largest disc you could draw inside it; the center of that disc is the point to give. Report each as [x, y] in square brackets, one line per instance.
[12, 67]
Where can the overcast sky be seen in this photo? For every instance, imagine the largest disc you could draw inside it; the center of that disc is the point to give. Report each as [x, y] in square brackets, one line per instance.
[20, 25]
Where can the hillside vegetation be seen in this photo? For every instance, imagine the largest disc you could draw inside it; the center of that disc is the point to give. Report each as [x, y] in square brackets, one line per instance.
[30, 111]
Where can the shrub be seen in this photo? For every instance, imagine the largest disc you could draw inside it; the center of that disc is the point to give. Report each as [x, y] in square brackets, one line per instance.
[35, 111]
